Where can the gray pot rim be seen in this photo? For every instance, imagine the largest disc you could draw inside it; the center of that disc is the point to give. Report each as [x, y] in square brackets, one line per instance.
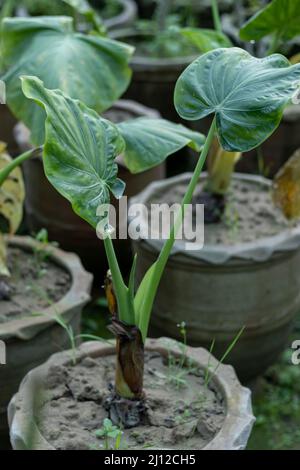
[260, 250]
[77, 296]
[233, 435]
[128, 13]
[152, 63]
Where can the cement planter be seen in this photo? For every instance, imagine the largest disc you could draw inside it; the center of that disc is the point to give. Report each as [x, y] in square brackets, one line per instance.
[125, 18]
[234, 434]
[220, 289]
[154, 79]
[45, 208]
[31, 340]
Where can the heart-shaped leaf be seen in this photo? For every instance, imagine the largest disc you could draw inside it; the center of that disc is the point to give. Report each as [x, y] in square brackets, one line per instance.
[91, 68]
[280, 17]
[247, 95]
[206, 39]
[79, 151]
[150, 141]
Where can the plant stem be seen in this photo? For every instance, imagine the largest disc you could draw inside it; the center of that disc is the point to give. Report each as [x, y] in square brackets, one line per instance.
[5, 172]
[166, 251]
[274, 45]
[216, 16]
[7, 9]
[161, 14]
[125, 309]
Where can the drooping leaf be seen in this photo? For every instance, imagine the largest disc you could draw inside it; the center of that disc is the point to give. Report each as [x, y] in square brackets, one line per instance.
[12, 194]
[150, 141]
[206, 39]
[247, 95]
[92, 69]
[286, 188]
[280, 17]
[79, 151]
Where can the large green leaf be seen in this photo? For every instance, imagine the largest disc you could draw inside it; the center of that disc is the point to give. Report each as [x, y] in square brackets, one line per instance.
[92, 69]
[150, 141]
[79, 151]
[280, 17]
[206, 39]
[247, 95]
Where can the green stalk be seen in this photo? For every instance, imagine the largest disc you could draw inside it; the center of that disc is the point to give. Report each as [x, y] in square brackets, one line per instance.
[216, 16]
[274, 45]
[158, 269]
[5, 172]
[7, 9]
[125, 307]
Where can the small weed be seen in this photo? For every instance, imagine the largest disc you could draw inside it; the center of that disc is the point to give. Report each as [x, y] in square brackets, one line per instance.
[179, 369]
[42, 251]
[111, 435]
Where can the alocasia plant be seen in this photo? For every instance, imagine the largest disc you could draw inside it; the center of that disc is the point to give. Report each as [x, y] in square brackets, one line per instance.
[79, 153]
[247, 114]
[280, 19]
[91, 68]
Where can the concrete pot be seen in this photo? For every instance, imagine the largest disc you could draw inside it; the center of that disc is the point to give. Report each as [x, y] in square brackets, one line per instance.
[46, 208]
[237, 426]
[220, 289]
[30, 341]
[125, 18]
[154, 80]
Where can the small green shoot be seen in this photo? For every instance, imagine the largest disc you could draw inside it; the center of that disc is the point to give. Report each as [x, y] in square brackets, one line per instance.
[210, 374]
[42, 251]
[111, 435]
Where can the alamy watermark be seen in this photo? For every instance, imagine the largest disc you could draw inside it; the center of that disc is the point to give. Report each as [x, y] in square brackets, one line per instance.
[153, 222]
[296, 353]
[2, 92]
[2, 353]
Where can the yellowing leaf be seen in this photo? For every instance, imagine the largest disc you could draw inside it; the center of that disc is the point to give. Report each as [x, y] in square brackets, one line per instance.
[286, 188]
[3, 269]
[12, 194]
[295, 59]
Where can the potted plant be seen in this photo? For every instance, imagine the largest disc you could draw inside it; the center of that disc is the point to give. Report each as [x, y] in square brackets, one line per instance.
[35, 278]
[98, 90]
[196, 96]
[113, 13]
[273, 28]
[251, 253]
[162, 53]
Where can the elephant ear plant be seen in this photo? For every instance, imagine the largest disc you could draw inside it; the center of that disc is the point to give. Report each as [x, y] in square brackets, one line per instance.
[279, 21]
[246, 98]
[238, 110]
[91, 68]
